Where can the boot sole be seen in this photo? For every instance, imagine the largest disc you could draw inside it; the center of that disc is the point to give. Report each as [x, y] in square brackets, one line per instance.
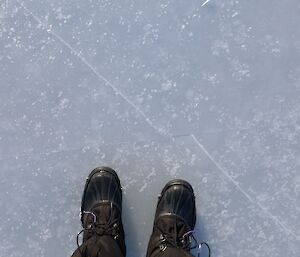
[107, 169]
[93, 172]
[177, 182]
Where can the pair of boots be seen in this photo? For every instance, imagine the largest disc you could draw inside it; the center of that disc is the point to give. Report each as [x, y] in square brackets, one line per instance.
[103, 233]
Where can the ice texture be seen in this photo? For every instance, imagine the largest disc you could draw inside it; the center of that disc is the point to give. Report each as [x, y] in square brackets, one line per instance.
[207, 91]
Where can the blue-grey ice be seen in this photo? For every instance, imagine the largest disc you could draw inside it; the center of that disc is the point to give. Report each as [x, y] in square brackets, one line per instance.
[208, 91]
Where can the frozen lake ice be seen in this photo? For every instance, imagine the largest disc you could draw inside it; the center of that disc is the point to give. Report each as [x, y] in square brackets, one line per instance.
[208, 91]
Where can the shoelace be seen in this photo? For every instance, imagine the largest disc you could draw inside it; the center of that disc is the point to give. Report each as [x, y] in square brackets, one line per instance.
[110, 228]
[197, 244]
[185, 242]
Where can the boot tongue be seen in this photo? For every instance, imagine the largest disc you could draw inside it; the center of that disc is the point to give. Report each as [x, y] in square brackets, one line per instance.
[173, 227]
[103, 213]
[100, 221]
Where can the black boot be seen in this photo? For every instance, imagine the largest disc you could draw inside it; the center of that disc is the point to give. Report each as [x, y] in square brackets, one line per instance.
[174, 221]
[101, 209]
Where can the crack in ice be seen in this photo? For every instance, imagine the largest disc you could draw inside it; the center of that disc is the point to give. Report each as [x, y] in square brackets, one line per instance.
[160, 131]
[205, 3]
[235, 183]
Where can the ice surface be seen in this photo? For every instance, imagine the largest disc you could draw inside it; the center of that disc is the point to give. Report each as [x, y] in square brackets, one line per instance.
[208, 91]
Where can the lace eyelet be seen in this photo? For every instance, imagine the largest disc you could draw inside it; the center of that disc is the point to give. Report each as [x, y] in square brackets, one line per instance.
[162, 247]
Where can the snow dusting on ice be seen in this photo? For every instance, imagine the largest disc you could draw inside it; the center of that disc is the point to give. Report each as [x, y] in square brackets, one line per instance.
[207, 91]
